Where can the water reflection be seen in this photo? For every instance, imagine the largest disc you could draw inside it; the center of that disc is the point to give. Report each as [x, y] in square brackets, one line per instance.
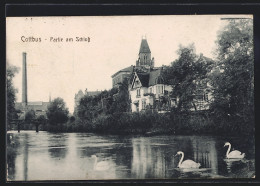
[58, 146]
[12, 146]
[148, 160]
[156, 160]
[205, 153]
[82, 156]
[25, 158]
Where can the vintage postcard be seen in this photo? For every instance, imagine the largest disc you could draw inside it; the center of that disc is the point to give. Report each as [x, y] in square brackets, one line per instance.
[130, 97]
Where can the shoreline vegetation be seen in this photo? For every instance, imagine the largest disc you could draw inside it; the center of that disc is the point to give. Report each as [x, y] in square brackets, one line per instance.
[150, 123]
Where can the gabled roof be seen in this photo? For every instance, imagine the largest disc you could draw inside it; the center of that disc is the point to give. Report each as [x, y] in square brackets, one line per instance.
[144, 48]
[152, 78]
[144, 78]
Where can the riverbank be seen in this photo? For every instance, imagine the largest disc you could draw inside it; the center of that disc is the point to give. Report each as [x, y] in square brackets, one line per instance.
[149, 123]
[152, 123]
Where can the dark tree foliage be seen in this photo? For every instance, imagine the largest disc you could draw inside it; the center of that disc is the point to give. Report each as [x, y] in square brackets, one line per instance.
[233, 78]
[10, 93]
[112, 101]
[57, 112]
[30, 115]
[185, 73]
[121, 102]
[41, 119]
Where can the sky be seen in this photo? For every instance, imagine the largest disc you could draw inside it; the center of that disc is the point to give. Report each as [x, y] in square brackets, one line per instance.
[61, 69]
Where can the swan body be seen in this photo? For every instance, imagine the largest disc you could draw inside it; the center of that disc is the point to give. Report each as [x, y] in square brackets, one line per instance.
[100, 166]
[187, 164]
[235, 154]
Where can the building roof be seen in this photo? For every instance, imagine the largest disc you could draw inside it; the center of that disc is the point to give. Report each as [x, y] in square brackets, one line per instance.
[37, 105]
[79, 94]
[144, 48]
[156, 77]
[93, 93]
[151, 78]
[144, 78]
[127, 69]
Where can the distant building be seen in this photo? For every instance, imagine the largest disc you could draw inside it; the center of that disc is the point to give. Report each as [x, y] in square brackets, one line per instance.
[203, 96]
[80, 95]
[39, 107]
[118, 77]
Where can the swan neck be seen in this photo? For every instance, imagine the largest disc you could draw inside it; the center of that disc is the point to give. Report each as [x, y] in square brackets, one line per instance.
[229, 147]
[182, 156]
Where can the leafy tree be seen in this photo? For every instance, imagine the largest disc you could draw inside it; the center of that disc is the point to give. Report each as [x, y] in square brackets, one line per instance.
[30, 115]
[121, 102]
[41, 119]
[72, 119]
[57, 112]
[115, 100]
[185, 73]
[10, 92]
[89, 107]
[233, 78]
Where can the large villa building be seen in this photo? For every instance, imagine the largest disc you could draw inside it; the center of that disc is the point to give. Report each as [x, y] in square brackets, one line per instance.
[147, 88]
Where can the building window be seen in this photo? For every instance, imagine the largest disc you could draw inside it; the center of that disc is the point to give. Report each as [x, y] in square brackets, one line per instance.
[202, 97]
[137, 83]
[143, 104]
[206, 97]
[138, 93]
[199, 97]
[151, 90]
[159, 89]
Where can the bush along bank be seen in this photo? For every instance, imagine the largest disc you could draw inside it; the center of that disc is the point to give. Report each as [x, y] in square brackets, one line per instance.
[153, 123]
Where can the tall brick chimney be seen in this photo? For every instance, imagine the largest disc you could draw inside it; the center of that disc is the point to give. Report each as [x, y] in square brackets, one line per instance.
[24, 81]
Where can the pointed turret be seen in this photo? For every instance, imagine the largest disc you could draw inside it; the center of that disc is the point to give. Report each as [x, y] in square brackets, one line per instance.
[144, 48]
[145, 55]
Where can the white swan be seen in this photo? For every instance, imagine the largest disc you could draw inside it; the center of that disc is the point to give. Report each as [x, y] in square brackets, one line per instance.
[187, 164]
[100, 166]
[235, 154]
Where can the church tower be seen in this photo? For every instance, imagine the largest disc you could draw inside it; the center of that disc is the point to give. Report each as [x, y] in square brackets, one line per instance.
[145, 55]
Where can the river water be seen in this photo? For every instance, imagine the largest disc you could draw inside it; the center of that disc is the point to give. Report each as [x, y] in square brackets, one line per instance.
[69, 156]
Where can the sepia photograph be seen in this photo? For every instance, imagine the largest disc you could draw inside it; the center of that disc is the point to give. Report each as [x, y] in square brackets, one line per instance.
[130, 97]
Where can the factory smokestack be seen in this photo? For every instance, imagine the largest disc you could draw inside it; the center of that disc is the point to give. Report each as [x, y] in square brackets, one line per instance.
[24, 93]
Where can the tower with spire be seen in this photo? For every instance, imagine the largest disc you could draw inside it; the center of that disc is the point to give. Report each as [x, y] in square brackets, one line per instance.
[144, 59]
